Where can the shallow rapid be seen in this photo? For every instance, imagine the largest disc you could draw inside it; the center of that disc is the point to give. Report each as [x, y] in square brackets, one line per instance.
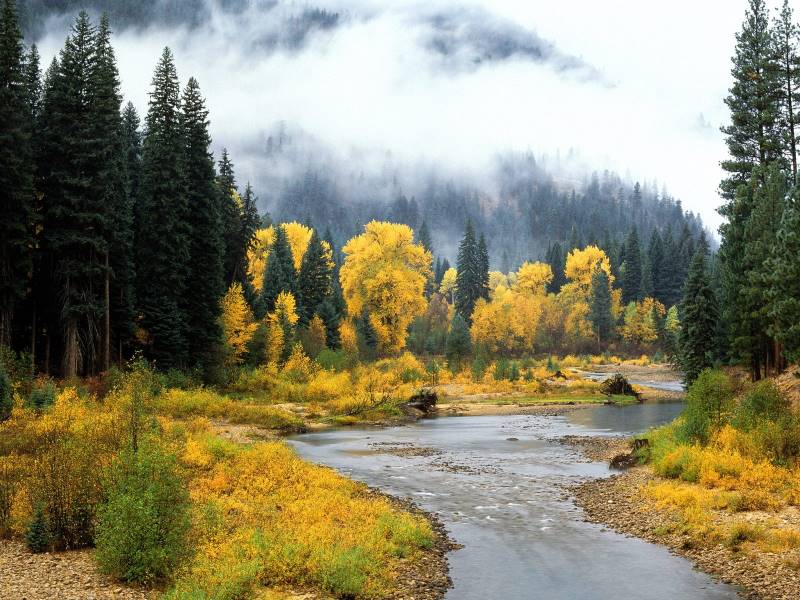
[508, 503]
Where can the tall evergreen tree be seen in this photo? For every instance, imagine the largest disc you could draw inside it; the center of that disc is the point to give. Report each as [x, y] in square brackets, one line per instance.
[646, 287]
[698, 321]
[632, 278]
[459, 344]
[109, 184]
[557, 261]
[600, 315]
[330, 316]
[314, 279]
[162, 237]
[16, 172]
[483, 268]
[231, 214]
[785, 34]
[424, 237]
[784, 291]
[753, 137]
[76, 227]
[205, 283]
[280, 275]
[655, 262]
[469, 284]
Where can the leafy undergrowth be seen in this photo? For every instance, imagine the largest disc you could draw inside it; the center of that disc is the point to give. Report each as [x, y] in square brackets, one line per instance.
[267, 518]
[729, 468]
[213, 519]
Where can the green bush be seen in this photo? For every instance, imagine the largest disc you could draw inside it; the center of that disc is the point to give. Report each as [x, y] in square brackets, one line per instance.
[42, 395]
[479, 366]
[335, 360]
[37, 537]
[142, 529]
[763, 402]
[709, 402]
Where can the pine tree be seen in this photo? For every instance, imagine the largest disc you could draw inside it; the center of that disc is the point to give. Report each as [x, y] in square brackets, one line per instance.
[231, 215]
[16, 172]
[73, 164]
[279, 275]
[646, 287]
[671, 278]
[785, 33]
[459, 343]
[205, 284]
[754, 137]
[784, 292]
[698, 323]
[367, 337]
[655, 262]
[424, 237]
[330, 316]
[632, 278]
[314, 280]
[557, 261]
[110, 188]
[483, 268]
[468, 281]
[162, 237]
[600, 315]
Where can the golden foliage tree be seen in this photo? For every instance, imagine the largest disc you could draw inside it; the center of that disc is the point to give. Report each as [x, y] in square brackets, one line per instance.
[384, 273]
[447, 287]
[641, 321]
[257, 256]
[238, 326]
[298, 236]
[532, 278]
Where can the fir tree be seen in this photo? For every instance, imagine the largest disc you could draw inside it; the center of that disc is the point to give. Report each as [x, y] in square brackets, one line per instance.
[483, 268]
[785, 33]
[74, 161]
[279, 275]
[231, 215]
[424, 237]
[698, 324]
[469, 278]
[646, 288]
[330, 316]
[314, 280]
[784, 292]
[162, 237]
[37, 537]
[110, 188]
[205, 284]
[16, 172]
[367, 337]
[600, 315]
[557, 261]
[459, 344]
[655, 263]
[632, 278]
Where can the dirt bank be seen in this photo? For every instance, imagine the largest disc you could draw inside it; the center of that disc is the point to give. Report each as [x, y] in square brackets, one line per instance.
[618, 503]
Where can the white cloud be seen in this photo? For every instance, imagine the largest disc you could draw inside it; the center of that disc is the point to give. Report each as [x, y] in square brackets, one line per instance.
[372, 84]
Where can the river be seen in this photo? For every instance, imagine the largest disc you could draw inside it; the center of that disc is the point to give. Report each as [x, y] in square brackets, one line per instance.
[507, 502]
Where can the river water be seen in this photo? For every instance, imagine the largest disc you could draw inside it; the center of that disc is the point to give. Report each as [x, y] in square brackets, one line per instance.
[506, 501]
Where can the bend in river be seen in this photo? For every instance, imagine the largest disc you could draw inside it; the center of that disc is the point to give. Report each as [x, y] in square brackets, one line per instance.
[508, 503]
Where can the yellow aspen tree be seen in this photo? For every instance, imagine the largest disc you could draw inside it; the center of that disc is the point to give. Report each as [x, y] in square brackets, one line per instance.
[448, 286]
[237, 323]
[384, 273]
[532, 278]
[298, 236]
[257, 256]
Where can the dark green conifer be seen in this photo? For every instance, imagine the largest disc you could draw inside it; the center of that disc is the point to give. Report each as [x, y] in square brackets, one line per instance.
[600, 315]
[632, 277]
[279, 276]
[314, 279]
[162, 236]
[698, 321]
[205, 284]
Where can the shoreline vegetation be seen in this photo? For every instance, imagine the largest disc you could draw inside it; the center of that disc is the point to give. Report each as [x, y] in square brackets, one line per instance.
[720, 489]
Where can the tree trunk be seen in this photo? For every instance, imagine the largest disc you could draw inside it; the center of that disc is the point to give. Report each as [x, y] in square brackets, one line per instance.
[71, 349]
[107, 319]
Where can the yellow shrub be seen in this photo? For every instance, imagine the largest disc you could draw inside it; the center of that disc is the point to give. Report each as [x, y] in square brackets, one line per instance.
[274, 519]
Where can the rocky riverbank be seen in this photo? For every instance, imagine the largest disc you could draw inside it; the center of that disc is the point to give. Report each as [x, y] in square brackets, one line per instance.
[617, 503]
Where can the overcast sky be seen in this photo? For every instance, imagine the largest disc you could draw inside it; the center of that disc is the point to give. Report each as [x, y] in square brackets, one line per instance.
[633, 86]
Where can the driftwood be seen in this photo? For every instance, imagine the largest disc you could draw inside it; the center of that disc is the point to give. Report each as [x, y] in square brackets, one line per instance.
[424, 400]
[618, 386]
[629, 459]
